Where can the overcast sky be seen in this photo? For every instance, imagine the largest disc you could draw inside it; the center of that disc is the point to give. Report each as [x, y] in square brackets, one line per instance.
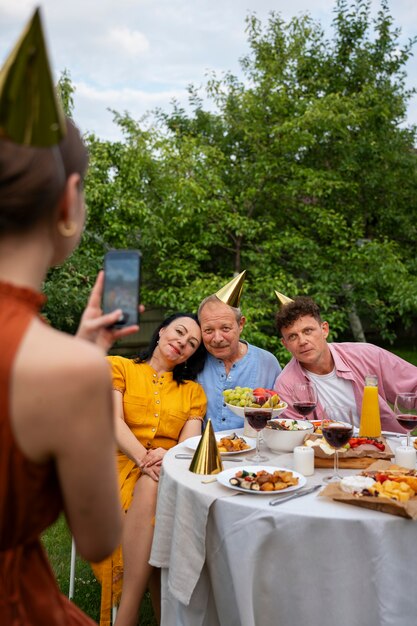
[135, 55]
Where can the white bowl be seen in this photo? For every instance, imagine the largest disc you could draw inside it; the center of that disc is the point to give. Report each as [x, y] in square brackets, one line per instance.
[239, 410]
[287, 440]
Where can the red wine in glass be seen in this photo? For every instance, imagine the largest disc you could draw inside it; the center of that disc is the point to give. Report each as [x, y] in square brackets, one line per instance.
[405, 409]
[304, 397]
[337, 434]
[257, 419]
[409, 422]
[337, 429]
[304, 408]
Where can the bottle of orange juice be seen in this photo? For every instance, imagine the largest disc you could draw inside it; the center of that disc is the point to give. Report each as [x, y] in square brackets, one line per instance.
[370, 424]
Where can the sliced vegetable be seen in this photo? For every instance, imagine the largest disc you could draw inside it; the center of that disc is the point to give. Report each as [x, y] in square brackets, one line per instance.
[354, 442]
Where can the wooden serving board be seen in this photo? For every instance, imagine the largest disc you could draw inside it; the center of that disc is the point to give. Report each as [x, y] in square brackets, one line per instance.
[348, 460]
[349, 463]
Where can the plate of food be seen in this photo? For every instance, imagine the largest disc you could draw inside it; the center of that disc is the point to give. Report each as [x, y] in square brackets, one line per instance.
[228, 444]
[239, 410]
[383, 486]
[236, 399]
[261, 479]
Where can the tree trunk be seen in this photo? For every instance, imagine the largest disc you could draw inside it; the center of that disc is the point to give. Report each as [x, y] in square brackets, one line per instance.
[354, 319]
[356, 325]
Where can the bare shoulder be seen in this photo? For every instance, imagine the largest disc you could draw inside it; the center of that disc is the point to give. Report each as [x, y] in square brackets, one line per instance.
[58, 382]
[62, 353]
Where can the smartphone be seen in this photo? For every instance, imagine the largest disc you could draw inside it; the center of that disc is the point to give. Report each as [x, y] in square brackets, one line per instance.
[122, 284]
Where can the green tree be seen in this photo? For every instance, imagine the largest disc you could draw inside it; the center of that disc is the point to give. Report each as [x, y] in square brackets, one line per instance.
[304, 174]
[67, 287]
[318, 168]
[66, 92]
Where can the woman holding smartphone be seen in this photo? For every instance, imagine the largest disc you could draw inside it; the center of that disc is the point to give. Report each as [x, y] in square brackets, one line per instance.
[55, 389]
[157, 404]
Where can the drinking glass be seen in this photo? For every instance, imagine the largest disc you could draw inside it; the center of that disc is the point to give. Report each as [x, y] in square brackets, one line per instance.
[337, 429]
[405, 409]
[304, 398]
[257, 417]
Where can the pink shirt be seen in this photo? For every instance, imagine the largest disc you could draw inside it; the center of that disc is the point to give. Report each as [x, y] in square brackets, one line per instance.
[353, 361]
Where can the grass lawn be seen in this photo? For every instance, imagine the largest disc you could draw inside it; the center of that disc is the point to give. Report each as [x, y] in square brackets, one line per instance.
[57, 542]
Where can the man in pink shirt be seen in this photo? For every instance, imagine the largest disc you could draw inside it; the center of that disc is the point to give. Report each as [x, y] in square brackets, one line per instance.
[338, 369]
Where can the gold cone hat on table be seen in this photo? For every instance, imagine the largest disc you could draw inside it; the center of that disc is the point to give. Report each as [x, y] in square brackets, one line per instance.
[230, 294]
[30, 110]
[283, 299]
[206, 459]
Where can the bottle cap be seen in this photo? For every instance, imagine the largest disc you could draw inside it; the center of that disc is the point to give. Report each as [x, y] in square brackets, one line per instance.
[371, 380]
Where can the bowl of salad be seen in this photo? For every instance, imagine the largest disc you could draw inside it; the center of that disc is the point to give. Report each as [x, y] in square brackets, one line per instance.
[283, 435]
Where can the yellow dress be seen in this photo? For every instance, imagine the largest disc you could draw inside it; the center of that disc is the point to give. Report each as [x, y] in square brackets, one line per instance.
[155, 408]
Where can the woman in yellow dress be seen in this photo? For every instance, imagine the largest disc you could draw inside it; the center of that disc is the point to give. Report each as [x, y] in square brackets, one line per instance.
[157, 404]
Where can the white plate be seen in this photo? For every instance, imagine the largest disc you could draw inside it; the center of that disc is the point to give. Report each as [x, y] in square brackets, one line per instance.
[239, 410]
[193, 442]
[226, 475]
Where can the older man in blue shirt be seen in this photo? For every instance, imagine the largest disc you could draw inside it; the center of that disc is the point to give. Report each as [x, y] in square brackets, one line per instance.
[231, 362]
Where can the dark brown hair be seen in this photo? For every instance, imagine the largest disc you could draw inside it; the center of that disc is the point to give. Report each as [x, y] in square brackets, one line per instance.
[184, 371]
[291, 312]
[33, 179]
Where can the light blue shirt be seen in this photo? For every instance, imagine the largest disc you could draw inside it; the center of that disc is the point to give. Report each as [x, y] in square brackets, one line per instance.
[258, 368]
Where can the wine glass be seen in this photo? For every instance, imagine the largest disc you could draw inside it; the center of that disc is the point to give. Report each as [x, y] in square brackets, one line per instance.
[257, 417]
[304, 398]
[405, 409]
[337, 429]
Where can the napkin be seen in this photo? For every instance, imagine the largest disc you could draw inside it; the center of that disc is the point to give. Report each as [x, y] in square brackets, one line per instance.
[182, 511]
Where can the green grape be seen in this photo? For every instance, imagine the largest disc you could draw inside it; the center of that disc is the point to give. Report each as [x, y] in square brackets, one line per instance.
[237, 396]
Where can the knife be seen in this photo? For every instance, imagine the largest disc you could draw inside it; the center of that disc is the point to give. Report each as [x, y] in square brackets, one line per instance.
[224, 458]
[297, 494]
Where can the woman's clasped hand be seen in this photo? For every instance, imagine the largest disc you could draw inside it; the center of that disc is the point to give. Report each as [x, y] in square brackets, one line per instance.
[151, 463]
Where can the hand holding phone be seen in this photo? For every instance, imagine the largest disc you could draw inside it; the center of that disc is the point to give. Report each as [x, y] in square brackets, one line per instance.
[95, 326]
[121, 285]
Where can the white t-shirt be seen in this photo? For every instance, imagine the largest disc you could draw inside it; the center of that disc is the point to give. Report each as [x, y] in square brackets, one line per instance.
[334, 390]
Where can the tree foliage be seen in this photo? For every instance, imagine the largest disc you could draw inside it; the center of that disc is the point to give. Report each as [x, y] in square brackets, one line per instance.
[304, 174]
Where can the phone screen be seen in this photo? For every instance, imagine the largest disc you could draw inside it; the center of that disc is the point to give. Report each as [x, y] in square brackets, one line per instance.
[121, 284]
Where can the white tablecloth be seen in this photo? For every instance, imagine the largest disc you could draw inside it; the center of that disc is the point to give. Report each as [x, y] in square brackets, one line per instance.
[233, 560]
[180, 532]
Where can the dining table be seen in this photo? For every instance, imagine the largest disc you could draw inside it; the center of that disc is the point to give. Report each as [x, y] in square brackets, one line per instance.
[232, 559]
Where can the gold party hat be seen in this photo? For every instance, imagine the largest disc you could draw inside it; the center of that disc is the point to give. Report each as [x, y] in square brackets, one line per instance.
[230, 294]
[283, 299]
[30, 111]
[206, 459]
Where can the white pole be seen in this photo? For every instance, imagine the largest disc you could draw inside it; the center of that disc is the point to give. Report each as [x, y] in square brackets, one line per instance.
[72, 570]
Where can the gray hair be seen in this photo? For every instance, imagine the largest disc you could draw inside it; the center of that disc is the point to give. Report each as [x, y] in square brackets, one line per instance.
[213, 298]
